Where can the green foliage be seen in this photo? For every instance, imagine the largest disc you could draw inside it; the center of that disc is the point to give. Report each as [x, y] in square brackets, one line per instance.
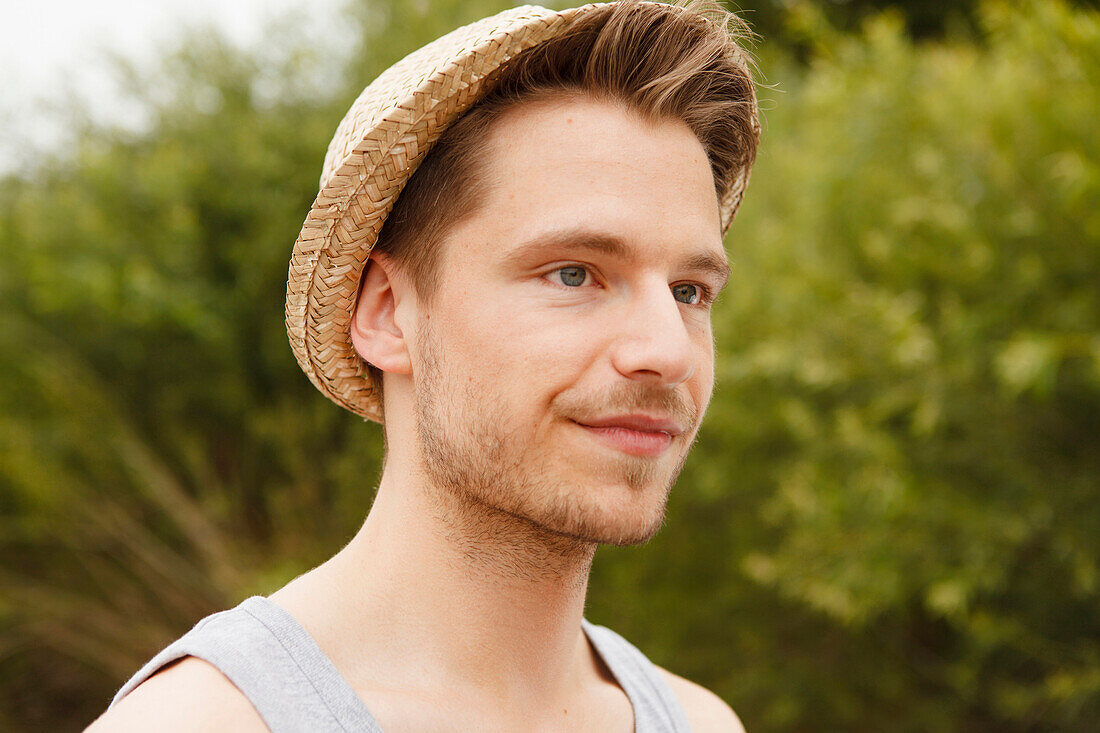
[889, 521]
[901, 460]
[161, 454]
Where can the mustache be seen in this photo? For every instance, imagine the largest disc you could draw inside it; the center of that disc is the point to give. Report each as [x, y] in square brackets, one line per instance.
[629, 399]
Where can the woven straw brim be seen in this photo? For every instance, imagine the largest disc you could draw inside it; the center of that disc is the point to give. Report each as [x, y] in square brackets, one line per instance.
[377, 147]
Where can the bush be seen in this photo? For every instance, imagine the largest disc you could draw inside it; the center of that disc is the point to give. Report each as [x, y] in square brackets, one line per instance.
[899, 475]
[889, 521]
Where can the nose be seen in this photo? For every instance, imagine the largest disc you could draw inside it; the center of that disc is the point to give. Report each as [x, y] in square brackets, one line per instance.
[653, 344]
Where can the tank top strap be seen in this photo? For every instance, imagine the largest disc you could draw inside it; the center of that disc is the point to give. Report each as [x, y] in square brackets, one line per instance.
[656, 707]
[271, 659]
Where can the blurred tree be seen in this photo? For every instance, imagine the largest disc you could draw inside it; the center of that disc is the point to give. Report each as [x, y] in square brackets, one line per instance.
[898, 480]
[923, 19]
[889, 521]
[161, 455]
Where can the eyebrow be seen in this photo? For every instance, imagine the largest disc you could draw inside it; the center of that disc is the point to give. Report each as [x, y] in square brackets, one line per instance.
[613, 246]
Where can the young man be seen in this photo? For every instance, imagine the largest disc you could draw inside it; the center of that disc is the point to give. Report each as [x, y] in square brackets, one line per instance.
[530, 320]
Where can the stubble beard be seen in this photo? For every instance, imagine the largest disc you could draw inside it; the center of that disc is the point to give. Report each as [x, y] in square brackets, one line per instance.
[500, 498]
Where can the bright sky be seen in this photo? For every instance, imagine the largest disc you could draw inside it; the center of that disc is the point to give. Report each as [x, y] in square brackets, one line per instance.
[53, 49]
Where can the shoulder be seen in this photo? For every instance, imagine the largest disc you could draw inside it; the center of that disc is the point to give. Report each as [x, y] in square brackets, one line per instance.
[706, 711]
[187, 695]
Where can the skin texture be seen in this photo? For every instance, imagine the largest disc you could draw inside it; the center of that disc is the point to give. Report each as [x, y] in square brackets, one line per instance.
[457, 605]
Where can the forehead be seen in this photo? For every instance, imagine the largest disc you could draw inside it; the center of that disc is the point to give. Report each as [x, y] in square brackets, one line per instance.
[566, 168]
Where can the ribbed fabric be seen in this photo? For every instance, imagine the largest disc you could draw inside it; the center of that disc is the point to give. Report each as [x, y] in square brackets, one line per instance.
[275, 663]
[295, 688]
[656, 707]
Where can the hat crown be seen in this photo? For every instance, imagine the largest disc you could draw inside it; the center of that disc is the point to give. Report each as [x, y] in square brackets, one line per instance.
[400, 91]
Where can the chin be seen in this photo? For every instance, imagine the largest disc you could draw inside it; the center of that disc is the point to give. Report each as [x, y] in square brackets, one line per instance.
[612, 515]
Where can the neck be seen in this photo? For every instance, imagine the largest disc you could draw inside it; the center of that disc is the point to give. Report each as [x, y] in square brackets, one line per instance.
[439, 591]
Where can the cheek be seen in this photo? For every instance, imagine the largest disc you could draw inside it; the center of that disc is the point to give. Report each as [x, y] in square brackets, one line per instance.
[704, 369]
[496, 348]
[526, 332]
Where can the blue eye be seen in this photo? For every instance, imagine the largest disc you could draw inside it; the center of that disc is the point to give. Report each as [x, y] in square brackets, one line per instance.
[572, 276]
[687, 293]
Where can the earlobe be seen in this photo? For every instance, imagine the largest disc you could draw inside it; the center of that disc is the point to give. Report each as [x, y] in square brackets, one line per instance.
[375, 332]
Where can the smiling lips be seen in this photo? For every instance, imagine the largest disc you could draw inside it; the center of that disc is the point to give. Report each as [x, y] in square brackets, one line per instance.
[639, 435]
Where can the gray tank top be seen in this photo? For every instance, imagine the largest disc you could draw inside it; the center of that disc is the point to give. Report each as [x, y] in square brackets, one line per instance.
[278, 666]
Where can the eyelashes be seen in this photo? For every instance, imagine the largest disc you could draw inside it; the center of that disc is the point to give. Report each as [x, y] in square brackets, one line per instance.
[576, 276]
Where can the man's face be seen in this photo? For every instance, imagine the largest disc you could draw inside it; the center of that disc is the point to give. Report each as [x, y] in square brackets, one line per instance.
[565, 365]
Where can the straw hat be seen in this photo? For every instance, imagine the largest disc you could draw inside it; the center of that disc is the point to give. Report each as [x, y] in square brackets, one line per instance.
[377, 147]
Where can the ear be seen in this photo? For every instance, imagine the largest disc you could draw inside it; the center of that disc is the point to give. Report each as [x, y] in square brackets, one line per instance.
[374, 329]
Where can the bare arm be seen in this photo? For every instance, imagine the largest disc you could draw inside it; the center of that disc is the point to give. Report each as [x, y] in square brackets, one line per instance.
[187, 695]
[706, 712]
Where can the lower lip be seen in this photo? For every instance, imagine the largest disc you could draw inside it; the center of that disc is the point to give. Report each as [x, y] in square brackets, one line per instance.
[634, 442]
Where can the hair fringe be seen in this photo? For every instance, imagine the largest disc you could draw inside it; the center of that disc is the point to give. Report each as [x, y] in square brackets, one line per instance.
[687, 60]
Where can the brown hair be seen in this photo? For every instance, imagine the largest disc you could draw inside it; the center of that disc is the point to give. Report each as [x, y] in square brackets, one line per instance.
[661, 61]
